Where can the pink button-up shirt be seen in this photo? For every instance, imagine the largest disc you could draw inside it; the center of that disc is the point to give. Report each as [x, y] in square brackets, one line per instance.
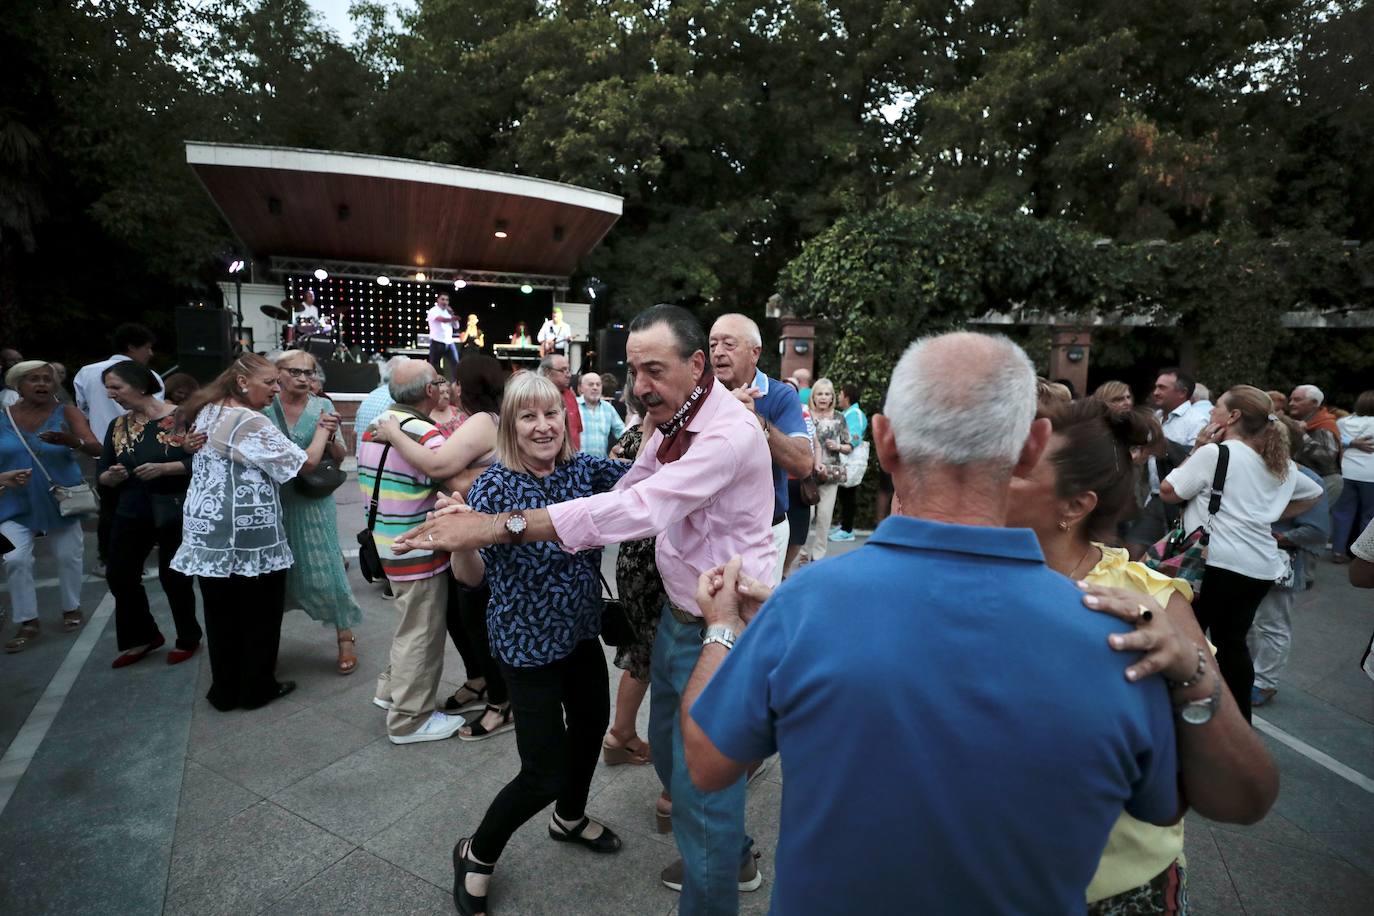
[712, 503]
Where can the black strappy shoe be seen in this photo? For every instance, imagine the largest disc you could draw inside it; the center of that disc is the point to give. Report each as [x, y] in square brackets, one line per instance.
[606, 842]
[477, 732]
[468, 904]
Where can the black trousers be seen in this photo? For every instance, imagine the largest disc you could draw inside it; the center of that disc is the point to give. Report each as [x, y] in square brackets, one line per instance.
[1226, 608]
[466, 619]
[108, 501]
[130, 541]
[243, 627]
[561, 711]
[846, 498]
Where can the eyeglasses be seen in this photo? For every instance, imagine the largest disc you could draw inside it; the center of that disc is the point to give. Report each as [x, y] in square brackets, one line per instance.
[298, 373]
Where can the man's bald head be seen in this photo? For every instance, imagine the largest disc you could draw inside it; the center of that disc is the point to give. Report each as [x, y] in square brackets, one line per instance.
[735, 348]
[803, 377]
[411, 384]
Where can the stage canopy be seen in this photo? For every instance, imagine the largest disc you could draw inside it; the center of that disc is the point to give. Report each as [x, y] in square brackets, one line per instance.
[352, 214]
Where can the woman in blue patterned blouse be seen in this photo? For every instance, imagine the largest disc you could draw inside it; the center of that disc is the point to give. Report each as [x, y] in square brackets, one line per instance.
[543, 618]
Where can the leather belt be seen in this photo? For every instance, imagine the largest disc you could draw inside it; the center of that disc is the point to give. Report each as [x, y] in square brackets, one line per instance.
[682, 617]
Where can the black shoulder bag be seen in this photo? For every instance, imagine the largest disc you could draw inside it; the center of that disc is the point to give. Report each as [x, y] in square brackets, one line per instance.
[326, 477]
[615, 623]
[369, 560]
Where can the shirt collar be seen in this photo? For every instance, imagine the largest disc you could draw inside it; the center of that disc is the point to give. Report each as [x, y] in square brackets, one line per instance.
[760, 381]
[708, 410]
[978, 540]
[1180, 410]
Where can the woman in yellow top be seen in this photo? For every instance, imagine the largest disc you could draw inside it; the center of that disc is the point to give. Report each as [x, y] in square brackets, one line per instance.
[1081, 487]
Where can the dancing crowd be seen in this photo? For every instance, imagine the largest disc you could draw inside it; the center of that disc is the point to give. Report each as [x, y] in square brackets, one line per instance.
[1005, 700]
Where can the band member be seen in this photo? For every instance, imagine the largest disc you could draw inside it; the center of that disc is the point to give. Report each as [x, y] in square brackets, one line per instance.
[554, 335]
[306, 312]
[441, 321]
[521, 337]
[472, 337]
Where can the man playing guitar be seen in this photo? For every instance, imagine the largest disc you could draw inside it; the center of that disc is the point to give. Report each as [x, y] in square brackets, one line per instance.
[554, 335]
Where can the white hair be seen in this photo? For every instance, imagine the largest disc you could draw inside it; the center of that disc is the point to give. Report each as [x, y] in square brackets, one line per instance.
[1200, 393]
[961, 398]
[385, 369]
[1311, 391]
[751, 327]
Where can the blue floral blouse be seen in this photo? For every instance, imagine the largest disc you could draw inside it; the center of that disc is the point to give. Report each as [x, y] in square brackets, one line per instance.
[544, 600]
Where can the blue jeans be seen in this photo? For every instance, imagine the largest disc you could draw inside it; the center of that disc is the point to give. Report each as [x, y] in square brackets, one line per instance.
[708, 826]
[1352, 513]
[437, 351]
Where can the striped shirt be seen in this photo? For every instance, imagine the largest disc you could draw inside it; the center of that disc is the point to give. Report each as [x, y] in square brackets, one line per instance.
[599, 425]
[406, 495]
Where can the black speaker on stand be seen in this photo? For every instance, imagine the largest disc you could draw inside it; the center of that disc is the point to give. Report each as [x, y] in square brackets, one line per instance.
[205, 341]
[610, 350]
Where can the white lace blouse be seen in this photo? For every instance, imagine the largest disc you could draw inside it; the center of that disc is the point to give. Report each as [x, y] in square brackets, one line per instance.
[231, 522]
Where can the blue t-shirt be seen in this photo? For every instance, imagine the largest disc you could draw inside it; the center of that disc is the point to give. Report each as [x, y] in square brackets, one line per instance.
[544, 600]
[956, 733]
[781, 407]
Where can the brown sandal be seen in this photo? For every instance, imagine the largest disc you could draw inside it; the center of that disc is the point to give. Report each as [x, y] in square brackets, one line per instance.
[71, 621]
[27, 633]
[634, 751]
[348, 662]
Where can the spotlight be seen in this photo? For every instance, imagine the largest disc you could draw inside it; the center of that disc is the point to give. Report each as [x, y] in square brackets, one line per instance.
[383, 281]
[321, 273]
[460, 283]
[501, 229]
[526, 288]
[420, 276]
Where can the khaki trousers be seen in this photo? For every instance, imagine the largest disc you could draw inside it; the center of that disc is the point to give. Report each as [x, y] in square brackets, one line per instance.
[411, 679]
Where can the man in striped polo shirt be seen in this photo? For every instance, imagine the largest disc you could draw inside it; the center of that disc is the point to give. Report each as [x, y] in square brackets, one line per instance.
[409, 686]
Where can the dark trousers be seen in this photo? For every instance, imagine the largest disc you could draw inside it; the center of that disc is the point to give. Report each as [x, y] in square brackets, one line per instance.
[1226, 607]
[437, 351]
[108, 501]
[130, 541]
[466, 619]
[557, 757]
[243, 628]
[846, 498]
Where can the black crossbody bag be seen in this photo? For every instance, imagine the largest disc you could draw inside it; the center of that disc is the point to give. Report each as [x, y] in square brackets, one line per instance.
[369, 560]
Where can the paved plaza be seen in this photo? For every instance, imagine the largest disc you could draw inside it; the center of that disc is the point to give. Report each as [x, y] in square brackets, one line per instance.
[123, 792]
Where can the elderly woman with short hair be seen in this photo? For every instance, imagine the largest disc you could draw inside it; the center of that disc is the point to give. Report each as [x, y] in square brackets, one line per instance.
[39, 437]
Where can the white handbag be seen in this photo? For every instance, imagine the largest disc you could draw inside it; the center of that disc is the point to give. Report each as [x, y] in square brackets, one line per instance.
[855, 463]
[71, 501]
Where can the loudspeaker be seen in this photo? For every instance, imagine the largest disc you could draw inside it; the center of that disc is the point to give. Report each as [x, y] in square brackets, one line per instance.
[203, 368]
[205, 332]
[357, 378]
[610, 350]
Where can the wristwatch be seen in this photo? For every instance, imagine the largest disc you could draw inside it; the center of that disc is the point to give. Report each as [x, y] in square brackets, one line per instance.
[516, 525]
[721, 635]
[1200, 712]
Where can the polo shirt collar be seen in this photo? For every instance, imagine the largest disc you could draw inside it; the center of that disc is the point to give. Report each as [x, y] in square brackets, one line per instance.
[760, 381]
[977, 540]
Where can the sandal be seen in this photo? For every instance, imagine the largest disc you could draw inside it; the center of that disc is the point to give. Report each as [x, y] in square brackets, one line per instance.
[348, 662]
[663, 813]
[477, 732]
[71, 620]
[468, 904]
[474, 699]
[634, 751]
[607, 841]
[27, 633]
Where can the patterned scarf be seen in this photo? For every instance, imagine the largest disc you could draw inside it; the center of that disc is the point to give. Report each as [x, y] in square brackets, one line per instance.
[675, 441]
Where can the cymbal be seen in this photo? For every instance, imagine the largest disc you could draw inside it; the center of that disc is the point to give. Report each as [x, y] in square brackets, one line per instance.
[275, 312]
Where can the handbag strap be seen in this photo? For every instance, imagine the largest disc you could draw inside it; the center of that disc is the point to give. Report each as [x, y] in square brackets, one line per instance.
[377, 482]
[604, 584]
[1218, 479]
[24, 440]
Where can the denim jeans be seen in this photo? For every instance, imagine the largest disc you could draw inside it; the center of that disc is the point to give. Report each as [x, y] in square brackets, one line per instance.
[708, 826]
[1351, 514]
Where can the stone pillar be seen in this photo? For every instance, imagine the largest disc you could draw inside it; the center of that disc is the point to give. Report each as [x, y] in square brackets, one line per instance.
[1069, 347]
[797, 345]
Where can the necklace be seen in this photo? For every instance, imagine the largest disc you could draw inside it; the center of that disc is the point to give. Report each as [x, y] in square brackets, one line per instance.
[1074, 569]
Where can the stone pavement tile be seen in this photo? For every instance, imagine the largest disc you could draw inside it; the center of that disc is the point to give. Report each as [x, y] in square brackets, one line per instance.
[1210, 889]
[1347, 688]
[762, 813]
[546, 877]
[248, 863]
[1352, 746]
[268, 759]
[1275, 828]
[362, 883]
[1356, 848]
[91, 823]
[352, 704]
[627, 803]
[362, 794]
[1315, 799]
[1279, 880]
[211, 728]
[207, 800]
[1297, 710]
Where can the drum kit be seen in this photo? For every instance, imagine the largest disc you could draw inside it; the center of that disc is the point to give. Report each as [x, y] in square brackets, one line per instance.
[320, 338]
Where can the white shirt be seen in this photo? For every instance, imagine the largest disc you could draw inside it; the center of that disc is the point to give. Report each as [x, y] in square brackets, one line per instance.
[307, 313]
[440, 331]
[1252, 499]
[1355, 464]
[1184, 422]
[231, 521]
[559, 333]
[92, 400]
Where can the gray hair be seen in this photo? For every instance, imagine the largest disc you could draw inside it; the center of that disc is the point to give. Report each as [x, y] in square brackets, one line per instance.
[385, 369]
[411, 392]
[1311, 391]
[961, 398]
[1201, 393]
[751, 327]
[546, 364]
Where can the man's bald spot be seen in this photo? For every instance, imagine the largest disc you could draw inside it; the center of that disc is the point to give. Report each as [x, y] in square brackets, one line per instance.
[738, 326]
[966, 359]
[407, 371]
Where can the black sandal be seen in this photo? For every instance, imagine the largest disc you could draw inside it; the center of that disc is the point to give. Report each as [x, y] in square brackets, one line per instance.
[468, 904]
[453, 704]
[606, 842]
[476, 731]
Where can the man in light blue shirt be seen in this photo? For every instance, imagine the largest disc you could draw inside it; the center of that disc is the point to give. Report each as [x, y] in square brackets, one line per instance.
[600, 423]
[377, 400]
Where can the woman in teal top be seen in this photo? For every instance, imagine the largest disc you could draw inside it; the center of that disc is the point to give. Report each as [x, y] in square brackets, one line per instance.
[39, 425]
[317, 581]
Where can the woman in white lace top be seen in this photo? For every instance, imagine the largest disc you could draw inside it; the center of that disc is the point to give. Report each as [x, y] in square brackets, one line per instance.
[232, 534]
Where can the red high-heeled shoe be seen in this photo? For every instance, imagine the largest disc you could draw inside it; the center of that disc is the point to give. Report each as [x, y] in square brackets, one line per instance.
[128, 658]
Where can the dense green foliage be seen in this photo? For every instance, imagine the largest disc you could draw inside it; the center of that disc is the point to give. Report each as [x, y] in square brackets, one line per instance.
[735, 131]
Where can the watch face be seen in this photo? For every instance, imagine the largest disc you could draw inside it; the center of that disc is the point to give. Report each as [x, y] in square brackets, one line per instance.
[1196, 713]
[516, 524]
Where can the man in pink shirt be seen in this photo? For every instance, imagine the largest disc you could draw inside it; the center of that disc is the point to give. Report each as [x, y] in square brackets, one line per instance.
[703, 484]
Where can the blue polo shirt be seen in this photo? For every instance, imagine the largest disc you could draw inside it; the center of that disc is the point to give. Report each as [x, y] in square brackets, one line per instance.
[781, 407]
[956, 733]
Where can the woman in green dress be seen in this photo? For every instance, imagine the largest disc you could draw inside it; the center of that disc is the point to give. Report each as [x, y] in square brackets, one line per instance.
[317, 581]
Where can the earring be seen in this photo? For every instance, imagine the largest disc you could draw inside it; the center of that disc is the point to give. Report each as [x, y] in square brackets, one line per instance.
[1063, 525]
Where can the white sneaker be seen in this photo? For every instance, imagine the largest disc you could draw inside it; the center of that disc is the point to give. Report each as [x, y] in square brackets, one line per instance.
[437, 728]
[381, 704]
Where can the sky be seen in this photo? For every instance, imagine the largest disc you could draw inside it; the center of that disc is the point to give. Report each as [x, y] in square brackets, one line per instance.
[335, 15]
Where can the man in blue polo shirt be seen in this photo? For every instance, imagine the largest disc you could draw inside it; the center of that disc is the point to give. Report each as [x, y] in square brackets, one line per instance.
[957, 735]
[735, 347]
